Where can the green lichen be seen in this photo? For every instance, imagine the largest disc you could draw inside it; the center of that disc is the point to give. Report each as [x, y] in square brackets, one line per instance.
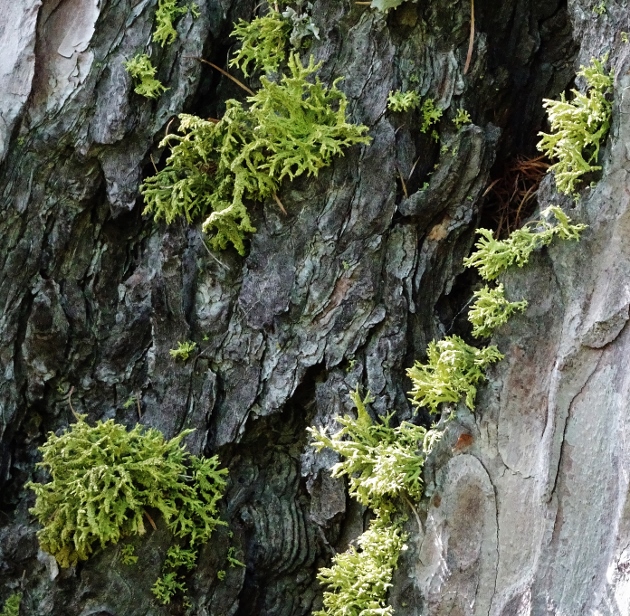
[168, 586]
[232, 560]
[263, 43]
[179, 560]
[493, 257]
[291, 127]
[382, 463]
[491, 310]
[359, 579]
[143, 74]
[403, 101]
[127, 555]
[167, 12]
[452, 371]
[183, 350]
[103, 478]
[461, 118]
[384, 470]
[578, 127]
[430, 115]
[177, 557]
[12, 605]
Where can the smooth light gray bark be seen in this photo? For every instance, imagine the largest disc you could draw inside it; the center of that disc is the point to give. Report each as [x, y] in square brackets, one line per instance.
[529, 517]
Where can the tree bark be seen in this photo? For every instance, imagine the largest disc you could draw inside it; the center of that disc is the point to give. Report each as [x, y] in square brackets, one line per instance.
[530, 517]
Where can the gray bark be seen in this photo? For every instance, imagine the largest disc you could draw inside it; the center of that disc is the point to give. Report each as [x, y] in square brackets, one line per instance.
[531, 518]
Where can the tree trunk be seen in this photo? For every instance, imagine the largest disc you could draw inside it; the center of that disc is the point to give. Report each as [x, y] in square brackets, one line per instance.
[530, 517]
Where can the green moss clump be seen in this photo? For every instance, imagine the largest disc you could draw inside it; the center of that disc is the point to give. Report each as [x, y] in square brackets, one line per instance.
[491, 310]
[403, 101]
[167, 586]
[452, 371]
[291, 127]
[12, 605]
[143, 74]
[493, 257]
[103, 479]
[263, 43]
[127, 555]
[578, 127]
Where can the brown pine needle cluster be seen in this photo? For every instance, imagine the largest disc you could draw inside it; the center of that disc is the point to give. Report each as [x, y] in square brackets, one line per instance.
[512, 195]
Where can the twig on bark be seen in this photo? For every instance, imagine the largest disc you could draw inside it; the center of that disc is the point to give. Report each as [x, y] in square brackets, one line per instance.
[240, 84]
[471, 41]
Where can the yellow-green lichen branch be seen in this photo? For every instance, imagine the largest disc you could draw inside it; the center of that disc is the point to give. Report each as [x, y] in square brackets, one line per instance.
[578, 127]
[143, 74]
[492, 257]
[491, 309]
[453, 370]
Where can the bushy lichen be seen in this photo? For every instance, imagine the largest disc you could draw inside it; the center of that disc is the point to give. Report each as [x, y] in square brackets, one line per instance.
[167, 12]
[578, 127]
[263, 43]
[381, 463]
[462, 117]
[430, 115]
[127, 555]
[359, 579]
[183, 350]
[493, 256]
[105, 477]
[384, 470]
[291, 127]
[403, 101]
[452, 371]
[12, 605]
[491, 310]
[143, 74]
[167, 586]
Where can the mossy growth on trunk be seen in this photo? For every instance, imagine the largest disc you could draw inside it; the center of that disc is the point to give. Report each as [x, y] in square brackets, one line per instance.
[293, 125]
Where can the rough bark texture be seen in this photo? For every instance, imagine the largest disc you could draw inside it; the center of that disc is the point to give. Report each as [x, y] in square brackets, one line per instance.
[531, 518]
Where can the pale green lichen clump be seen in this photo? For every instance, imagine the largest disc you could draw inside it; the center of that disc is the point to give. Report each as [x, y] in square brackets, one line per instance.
[452, 371]
[104, 477]
[263, 43]
[578, 127]
[291, 127]
[143, 74]
[12, 605]
[493, 257]
[491, 310]
[381, 462]
[462, 117]
[359, 579]
[167, 12]
[384, 469]
[403, 101]
[183, 350]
